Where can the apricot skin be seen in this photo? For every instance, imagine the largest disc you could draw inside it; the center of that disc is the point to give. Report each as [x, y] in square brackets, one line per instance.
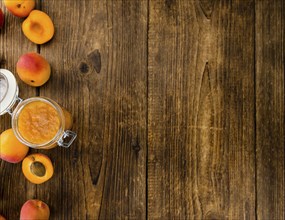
[2, 217]
[34, 209]
[2, 19]
[33, 69]
[11, 149]
[38, 27]
[44, 160]
[68, 119]
[20, 8]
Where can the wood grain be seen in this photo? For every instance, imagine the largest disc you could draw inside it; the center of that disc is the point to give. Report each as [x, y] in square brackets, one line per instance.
[99, 74]
[241, 118]
[178, 106]
[201, 110]
[14, 188]
[270, 109]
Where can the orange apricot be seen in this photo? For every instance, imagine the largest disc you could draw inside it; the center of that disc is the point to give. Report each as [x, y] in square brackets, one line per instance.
[38, 27]
[68, 119]
[34, 209]
[37, 168]
[20, 8]
[33, 69]
[2, 217]
[2, 19]
[11, 149]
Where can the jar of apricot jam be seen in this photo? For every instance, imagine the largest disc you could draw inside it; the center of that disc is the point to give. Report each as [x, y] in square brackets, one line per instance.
[37, 122]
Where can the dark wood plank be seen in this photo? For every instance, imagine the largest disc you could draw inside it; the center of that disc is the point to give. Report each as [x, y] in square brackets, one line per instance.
[99, 69]
[201, 102]
[270, 109]
[14, 188]
[201, 162]
[241, 111]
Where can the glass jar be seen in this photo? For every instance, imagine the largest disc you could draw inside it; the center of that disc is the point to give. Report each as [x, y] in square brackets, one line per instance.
[37, 122]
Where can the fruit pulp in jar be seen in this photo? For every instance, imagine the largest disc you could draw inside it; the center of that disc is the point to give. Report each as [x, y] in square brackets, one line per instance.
[38, 122]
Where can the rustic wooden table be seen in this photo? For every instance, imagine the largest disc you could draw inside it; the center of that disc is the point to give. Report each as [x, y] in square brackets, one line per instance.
[178, 106]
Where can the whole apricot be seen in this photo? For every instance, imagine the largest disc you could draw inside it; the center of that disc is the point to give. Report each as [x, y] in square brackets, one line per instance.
[38, 27]
[37, 168]
[11, 149]
[33, 69]
[20, 8]
[68, 119]
[34, 209]
[2, 18]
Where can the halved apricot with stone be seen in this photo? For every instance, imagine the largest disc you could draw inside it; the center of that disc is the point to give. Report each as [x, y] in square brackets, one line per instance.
[38, 27]
[37, 168]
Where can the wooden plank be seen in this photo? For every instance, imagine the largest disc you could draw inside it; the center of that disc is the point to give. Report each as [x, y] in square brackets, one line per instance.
[201, 110]
[98, 59]
[270, 109]
[241, 114]
[14, 188]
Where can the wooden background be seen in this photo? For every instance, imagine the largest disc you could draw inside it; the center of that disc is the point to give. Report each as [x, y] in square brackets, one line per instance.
[178, 106]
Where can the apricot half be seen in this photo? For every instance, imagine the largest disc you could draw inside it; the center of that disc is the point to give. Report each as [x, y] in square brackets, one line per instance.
[11, 149]
[20, 8]
[38, 27]
[37, 168]
[33, 69]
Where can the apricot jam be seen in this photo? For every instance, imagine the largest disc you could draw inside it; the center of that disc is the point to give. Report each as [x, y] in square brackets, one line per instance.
[38, 122]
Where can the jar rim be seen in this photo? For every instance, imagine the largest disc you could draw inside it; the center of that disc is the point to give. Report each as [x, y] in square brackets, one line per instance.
[5, 80]
[10, 93]
[17, 112]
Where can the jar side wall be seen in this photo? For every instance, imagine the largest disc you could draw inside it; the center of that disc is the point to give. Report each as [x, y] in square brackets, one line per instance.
[15, 116]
